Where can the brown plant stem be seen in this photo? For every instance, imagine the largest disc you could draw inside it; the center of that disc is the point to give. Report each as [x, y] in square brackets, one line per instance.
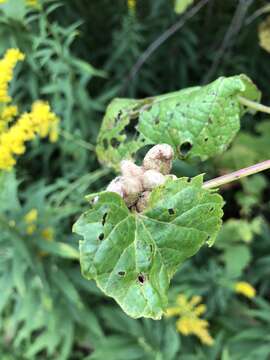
[236, 175]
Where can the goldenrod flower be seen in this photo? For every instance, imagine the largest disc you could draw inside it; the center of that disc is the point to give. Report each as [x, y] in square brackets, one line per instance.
[245, 289]
[132, 5]
[40, 121]
[32, 3]
[189, 322]
[48, 233]
[7, 64]
[6, 116]
[31, 216]
[30, 229]
[264, 34]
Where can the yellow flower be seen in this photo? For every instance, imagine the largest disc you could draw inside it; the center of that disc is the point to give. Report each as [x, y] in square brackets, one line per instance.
[6, 116]
[264, 34]
[40, 121]
[131, 5]
[30, 229]
[32, 3]
[7, 64]
[189, 322]
[245, 289]
[48, 234]
[31, 216]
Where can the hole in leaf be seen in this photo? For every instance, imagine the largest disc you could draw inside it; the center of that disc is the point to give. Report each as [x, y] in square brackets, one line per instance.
[104, 219]
[141, 278]
[121, 273]
[211, 209]
[151, 247]
[185, 148]
[118, 116]
[206, 139]
[115, 143]
[171, 211]
[101, 236]
[189, 180]
[105, 144]
[131, 126]
[157, 121]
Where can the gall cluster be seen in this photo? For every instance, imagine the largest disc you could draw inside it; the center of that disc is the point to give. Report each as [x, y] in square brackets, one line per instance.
[136, 182]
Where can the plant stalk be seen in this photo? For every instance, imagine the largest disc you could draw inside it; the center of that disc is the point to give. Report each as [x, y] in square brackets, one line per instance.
[254, 105]
[236, 175]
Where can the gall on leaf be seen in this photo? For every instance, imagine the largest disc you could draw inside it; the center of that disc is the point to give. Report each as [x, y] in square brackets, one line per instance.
[140, 252]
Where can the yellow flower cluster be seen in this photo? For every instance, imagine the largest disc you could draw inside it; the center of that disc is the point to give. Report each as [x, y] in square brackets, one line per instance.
[14, 134]
[30, 218]
[7, 65]
[189, 321]
[40, 121]
[245, 289]
[264, 34]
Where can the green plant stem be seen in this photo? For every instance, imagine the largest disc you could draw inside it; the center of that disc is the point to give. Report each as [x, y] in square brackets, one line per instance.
[236, 175]
[254, 105]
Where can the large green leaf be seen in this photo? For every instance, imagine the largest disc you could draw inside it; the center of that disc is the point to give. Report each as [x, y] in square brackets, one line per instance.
[197, 122]
[133, 256]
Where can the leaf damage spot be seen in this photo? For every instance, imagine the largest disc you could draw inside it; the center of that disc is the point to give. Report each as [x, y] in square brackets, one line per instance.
[104, 219]
[141, 278]
[171, 211]
[121, 273]
[185, 148]
[101, 236]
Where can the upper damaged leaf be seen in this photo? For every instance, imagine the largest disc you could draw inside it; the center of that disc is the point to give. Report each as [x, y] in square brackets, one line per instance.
[196, 122]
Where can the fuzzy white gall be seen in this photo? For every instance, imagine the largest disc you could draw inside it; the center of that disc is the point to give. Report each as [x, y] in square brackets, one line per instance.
[129, 188]
[152, 179]
[128, 168]
[171, 176]
[132, 189]
[116, 186]
[159, 158]
[143, 201]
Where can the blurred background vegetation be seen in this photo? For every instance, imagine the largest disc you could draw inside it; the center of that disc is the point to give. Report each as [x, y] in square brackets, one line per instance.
[79, 55]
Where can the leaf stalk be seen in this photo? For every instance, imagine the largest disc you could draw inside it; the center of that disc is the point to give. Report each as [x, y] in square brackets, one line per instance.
[236, 175]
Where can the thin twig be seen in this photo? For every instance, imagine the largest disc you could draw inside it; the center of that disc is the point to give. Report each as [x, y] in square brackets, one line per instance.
[236, 175]
[263, 10]
[229, 37]
[162, 38]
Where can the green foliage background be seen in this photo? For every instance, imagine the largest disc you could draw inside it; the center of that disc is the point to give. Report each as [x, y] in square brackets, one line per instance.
[79, 56]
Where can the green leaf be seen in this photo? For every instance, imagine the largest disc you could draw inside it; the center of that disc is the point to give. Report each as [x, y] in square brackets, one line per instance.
[196, 122]
[180, 6]
[236, 260]
[8, 191]
[133, 256]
